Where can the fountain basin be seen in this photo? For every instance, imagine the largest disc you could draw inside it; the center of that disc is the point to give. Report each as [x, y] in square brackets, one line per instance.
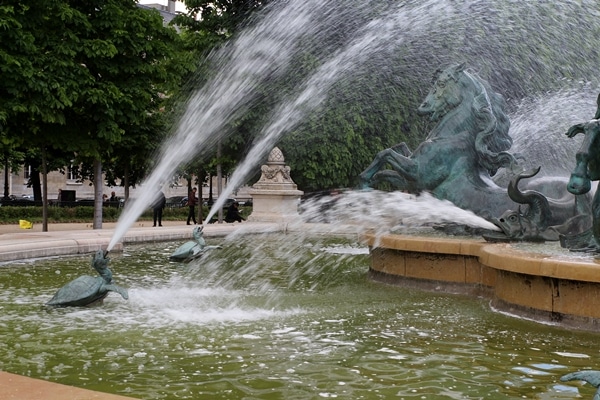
[214, 329]
[535, 282]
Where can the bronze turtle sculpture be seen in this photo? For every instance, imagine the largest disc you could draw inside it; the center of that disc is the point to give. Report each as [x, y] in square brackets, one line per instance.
[87, 289]
[589, 376]
[192, 249]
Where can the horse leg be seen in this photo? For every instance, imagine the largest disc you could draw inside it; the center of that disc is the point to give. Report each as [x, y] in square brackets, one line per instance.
[580, 182]
[596, 222]
[393, 178]
[400, 163]
[582, 175]
[402, 148]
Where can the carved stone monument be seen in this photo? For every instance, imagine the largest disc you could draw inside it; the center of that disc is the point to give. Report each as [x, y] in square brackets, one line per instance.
[275, 196]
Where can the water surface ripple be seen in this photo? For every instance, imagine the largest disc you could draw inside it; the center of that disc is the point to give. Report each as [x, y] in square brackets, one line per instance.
[274, 317]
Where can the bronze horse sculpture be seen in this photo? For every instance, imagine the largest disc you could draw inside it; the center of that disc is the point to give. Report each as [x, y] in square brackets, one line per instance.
[462, 153]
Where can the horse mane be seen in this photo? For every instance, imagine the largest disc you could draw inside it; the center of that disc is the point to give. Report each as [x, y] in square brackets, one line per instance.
[492, 141]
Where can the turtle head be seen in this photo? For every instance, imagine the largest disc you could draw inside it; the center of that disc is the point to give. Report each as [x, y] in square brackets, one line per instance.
[197, 232]
[100, 264]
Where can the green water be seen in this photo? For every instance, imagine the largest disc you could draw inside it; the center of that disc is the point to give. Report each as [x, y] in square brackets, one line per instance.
[276, 317]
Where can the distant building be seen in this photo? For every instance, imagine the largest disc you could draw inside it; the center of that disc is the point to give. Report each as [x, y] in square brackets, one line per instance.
[167, 12]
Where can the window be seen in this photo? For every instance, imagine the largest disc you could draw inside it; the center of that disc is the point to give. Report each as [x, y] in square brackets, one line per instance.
[71, 173]
[27, 172]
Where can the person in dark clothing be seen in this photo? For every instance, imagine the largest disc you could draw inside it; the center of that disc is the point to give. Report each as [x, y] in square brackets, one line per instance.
[191, 202]
[233, 213]
[158, 207]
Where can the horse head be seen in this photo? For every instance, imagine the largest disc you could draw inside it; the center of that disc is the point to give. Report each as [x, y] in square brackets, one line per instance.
[445, 94]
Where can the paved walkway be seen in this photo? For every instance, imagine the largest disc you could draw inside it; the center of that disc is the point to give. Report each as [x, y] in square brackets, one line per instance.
[64, 239]
[16, 387]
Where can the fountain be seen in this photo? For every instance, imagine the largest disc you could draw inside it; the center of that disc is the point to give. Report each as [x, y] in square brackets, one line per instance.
[248, 62]
[280, 316]
[294, 316]
[266, 49]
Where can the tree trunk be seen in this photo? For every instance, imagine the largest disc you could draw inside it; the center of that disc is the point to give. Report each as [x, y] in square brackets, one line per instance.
[44, 191]
[35, 181]
[6, 176]
[210, 191]
[98, 189]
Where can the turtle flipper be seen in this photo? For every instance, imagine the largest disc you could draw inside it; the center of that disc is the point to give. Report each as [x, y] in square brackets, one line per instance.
[591, 377]
[122, 291]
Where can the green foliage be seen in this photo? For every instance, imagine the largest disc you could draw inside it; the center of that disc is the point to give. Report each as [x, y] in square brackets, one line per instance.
[12, 215]
[363, 114]
[104, 66]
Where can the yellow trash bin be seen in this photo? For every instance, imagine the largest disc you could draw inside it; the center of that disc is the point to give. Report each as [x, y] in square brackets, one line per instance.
[25, 224]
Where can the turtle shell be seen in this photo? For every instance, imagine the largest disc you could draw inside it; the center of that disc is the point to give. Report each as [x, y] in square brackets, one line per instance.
[185, 251]
[80, 292]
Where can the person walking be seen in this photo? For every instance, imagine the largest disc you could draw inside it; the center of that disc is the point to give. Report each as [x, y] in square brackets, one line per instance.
[191, 202]
[158, 207]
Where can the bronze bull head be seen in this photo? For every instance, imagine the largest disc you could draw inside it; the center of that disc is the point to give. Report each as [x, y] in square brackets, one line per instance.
[534, 224]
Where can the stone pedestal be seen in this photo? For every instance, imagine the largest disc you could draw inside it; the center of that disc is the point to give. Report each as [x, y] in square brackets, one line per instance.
[275, 197]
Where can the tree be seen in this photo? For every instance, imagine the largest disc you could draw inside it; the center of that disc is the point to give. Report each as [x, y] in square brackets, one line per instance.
[39, 78]
[83, 74]
[126, 51]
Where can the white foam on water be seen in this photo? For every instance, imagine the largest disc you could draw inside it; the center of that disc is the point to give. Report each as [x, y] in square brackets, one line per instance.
[571, 355]
[346, 250]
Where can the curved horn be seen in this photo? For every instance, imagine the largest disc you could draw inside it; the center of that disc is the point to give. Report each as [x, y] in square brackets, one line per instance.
[539, 210]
